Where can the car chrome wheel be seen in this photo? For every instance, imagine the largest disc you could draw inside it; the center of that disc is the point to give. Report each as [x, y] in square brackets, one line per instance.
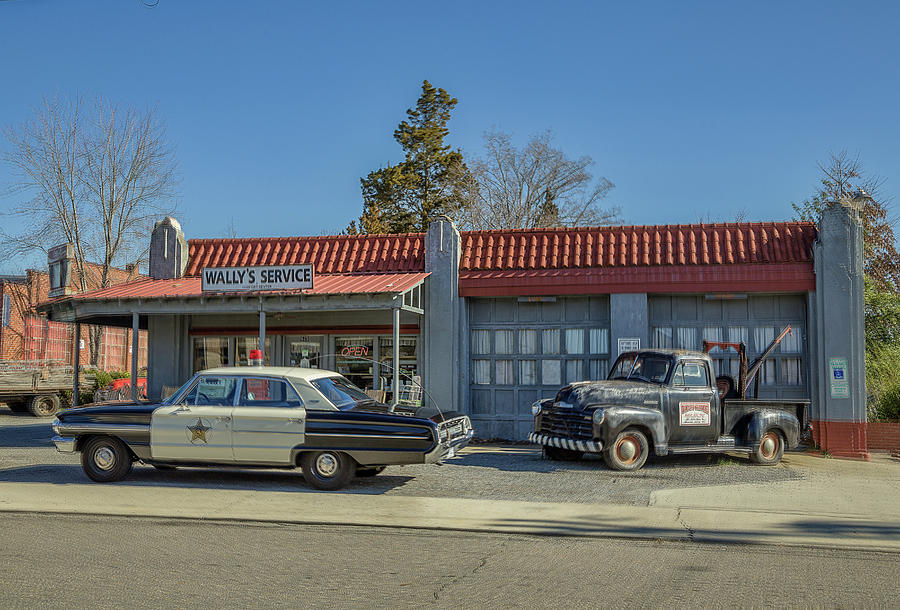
[627, 449]
[104, 458]
[769, 445]
[326, 465]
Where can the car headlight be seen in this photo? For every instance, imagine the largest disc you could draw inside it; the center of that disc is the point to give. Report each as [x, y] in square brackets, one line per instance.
[598, 416]
[536, 407]
[55, 426]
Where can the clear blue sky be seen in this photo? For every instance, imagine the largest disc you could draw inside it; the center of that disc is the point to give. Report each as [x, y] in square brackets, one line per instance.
[278, 108]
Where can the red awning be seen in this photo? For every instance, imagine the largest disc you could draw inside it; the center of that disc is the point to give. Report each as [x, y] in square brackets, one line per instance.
[324, 284]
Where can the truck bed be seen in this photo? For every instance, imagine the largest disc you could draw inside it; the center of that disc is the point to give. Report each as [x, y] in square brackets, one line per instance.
[24, 378]
[734, 410]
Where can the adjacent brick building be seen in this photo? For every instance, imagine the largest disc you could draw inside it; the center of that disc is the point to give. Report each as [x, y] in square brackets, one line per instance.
[26, 336]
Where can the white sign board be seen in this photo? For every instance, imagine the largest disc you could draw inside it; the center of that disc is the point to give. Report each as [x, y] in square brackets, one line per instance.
[243, 279]
[629, 344]
[840, 381]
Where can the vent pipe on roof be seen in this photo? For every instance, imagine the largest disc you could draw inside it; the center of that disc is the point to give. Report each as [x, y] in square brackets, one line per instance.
[168, 250]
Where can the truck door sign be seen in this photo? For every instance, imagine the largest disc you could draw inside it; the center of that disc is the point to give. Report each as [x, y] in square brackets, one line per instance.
[693, 414]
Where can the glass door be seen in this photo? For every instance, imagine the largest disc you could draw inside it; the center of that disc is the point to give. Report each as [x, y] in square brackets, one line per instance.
[303, 350]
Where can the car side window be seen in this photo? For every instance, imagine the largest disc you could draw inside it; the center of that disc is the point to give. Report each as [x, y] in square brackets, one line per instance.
[212, 391]
[263, 392]
[691, 374]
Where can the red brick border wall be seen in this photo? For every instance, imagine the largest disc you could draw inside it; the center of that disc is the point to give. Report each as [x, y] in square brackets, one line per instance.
[883, 436]
[841, 438]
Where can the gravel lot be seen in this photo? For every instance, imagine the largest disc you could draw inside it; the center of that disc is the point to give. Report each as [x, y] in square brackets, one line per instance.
[503, 472]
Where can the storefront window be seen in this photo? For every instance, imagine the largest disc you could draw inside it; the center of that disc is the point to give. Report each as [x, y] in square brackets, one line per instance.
[209, 352]
[355, 359]
[304, 351]
[408, 367]
[243, 345]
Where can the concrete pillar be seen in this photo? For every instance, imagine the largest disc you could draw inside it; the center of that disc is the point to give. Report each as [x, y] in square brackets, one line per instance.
[628, 320]
[839, 424]
[442, 370]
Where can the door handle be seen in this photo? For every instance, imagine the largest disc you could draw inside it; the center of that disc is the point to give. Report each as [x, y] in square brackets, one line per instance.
[223, 418]
[295, 420]
[181, 409]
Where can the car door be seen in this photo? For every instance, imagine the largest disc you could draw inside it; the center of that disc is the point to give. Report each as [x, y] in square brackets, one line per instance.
[199, 428]
[691, 412]
[269, 421]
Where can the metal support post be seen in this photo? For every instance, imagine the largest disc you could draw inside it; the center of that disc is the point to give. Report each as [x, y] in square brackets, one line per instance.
[262, 334]
[76, 367]
[135, 338]
[396, 349]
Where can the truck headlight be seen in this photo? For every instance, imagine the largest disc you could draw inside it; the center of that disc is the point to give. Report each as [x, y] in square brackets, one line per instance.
[599, 416]
[536, 407]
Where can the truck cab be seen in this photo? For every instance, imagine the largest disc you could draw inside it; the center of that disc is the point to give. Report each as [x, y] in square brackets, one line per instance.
[667, 401]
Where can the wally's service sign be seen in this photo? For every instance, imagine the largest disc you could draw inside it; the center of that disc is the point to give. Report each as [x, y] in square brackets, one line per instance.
[242, 279]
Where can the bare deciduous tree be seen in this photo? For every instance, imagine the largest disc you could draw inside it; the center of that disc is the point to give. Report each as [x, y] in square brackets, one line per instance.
[97, 177]
[538, 186]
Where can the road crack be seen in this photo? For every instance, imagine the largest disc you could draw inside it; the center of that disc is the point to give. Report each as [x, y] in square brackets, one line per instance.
[456, 579]
[688, 528]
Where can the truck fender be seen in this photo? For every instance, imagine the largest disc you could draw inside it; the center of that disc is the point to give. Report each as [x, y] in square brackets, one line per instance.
[618, 418]
[786, 423]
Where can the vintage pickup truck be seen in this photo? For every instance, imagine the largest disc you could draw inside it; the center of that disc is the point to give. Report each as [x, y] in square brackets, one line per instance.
[668, 401]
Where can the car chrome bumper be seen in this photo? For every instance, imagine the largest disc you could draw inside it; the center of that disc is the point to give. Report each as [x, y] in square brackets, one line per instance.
[566, 443]
[64, 444]
[449, 449]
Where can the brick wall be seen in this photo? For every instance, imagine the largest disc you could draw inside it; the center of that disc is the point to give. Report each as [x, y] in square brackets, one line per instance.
[883, 436]
[32, 337]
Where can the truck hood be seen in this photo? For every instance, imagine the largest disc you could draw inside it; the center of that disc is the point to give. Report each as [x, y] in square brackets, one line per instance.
[619, 392]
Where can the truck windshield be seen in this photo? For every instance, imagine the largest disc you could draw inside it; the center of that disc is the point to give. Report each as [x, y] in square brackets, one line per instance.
[642, 367]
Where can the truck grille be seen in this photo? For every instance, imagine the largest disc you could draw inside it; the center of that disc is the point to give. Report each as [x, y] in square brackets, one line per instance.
[566, 423]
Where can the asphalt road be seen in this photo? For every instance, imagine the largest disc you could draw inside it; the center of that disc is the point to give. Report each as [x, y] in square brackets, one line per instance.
[74, 561]
[514, 472]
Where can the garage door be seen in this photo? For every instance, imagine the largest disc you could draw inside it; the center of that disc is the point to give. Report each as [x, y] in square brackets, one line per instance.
[685, 321]
[522, 349]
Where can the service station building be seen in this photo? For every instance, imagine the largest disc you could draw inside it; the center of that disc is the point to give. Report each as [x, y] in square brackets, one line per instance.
[490, 321]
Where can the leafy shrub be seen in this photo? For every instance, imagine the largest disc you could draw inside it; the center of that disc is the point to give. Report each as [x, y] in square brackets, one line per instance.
[101, 378]
[883, 382]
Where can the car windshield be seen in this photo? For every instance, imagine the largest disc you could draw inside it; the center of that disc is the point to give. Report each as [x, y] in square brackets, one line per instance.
[340, 391]
[170, 400]
[642, 367]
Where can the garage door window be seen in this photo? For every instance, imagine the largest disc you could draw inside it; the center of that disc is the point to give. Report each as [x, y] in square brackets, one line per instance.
[599, 342]
[574, 340]
[662, 336]
[528, 341]
[503, 342]
[550, 341]
[528, 372]
[481, 372]
[481, 342]
[504, 372]
[550, 372]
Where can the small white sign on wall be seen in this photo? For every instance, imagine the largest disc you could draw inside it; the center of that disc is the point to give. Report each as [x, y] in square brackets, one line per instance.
[629, 344]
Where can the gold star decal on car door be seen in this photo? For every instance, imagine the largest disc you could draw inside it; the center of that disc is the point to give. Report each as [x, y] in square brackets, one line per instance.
[198, 431]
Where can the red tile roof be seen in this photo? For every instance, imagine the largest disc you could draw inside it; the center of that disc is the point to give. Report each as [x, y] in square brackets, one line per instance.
[639, 246]
[345, 283]
[329, 254]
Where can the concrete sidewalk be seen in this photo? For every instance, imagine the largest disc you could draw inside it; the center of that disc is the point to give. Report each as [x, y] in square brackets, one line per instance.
[839, 505]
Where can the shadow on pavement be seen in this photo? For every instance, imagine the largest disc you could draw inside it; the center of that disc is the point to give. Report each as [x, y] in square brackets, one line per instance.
[819, 528]
[29, 435]
[211, 478]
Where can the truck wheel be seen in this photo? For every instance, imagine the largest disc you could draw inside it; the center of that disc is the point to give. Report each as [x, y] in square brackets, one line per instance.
[565, 455]
[44, 405]
[769, 449]
[328, 470]
[628, 452]
[105, 459]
